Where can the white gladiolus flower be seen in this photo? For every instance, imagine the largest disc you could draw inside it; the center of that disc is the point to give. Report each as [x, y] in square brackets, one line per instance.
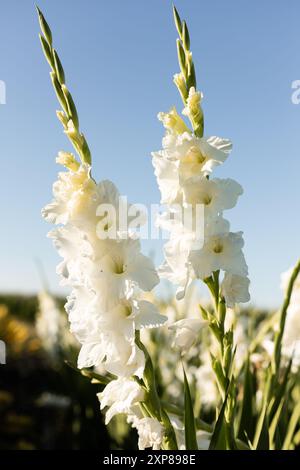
[216, 194]
[235, 289]
[73, 197]
[206, 245]
[120, 265]
[176, 268]
[185, 156]
[186, 333]
[285, 279]
[107, 275]
[223, 251]
[291, 336]
[120, 396]
[150, 432]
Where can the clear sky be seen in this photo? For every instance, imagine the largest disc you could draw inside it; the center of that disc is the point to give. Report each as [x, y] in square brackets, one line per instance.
[119, 58]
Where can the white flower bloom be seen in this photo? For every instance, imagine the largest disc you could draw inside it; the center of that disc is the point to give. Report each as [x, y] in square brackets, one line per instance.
[186, 333]
[291, 336]
[150, 432]
[107, 276]
[73, 197]
[176, 252]
[223, 251]
[216, 194]
[285, 279]
[109, 337]
[120, 396]
[147, 316]
[73, 246]
[235, 289]
[119, 266]
[185, 156]
[182, 169]
[166, 173]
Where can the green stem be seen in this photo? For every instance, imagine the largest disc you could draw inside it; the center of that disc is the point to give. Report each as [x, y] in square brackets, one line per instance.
[222, 364]
[187, 68]
[69, 113]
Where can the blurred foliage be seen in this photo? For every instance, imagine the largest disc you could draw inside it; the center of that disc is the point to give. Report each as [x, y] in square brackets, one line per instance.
[46, 404]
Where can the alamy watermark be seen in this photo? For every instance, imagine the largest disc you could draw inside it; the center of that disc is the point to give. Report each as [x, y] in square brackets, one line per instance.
[2, 92]
[149, 223]
[295, 96]
[2, 352]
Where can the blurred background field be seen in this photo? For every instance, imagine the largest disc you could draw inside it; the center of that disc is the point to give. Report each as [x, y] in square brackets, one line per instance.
[44, 403]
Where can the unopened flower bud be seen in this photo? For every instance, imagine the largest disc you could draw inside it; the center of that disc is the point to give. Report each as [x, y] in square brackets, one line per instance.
[68, 160]
[172, 121]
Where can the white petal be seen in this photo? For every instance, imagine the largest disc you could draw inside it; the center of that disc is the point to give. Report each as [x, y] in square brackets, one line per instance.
[148, 316]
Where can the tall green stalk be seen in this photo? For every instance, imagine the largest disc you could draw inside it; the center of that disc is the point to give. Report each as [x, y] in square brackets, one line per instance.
[68, 115]
[222, 363]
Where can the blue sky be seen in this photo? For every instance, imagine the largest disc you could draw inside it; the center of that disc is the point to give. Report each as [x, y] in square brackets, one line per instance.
[119, 58]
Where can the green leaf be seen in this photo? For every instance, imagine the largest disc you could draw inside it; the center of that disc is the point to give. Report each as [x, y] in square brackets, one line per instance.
[189, 419]
[219, 437]
[279, 391]
[261, 438]
[247, 414]
[273, 434]
[292, 426]
[170, 440]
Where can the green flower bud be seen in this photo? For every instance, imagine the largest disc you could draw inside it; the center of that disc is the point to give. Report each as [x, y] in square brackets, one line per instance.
[71, 106]
[185, 36]
[47, 51]
[59, 93]
[58, 68]
[44, 27]
[177, 21]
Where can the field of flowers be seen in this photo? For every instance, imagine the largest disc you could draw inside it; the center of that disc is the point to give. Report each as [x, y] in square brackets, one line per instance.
[118, 365]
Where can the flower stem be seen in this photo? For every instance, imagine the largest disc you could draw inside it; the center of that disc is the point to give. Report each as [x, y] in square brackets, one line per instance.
[187, 77]
[69, 115]
[222, 364]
